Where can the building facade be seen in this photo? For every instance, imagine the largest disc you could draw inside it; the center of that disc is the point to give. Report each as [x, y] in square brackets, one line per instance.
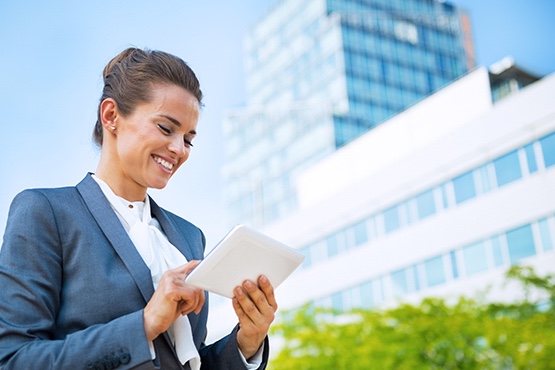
[319, 73]
[462, 190]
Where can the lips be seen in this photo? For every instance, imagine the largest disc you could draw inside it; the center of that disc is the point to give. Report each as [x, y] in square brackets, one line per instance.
[167, 165]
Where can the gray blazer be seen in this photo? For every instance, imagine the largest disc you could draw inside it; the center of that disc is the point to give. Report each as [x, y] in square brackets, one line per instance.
[73, 287]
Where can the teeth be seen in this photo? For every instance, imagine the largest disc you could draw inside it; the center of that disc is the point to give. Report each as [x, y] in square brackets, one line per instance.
[167, 165]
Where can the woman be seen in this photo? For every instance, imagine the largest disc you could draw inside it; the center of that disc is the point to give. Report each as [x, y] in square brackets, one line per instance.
[92, 276]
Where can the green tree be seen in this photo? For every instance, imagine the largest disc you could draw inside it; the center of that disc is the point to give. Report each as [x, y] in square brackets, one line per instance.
[468, 334]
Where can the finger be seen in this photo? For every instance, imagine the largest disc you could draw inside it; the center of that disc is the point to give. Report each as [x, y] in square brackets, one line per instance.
[190, 304]
[244, 319]
[268, 290]
[188, 267]
[260, 297]
[200, 304]
[245, 306]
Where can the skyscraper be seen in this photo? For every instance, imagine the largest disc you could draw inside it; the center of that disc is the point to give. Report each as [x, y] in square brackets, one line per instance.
[319, 74]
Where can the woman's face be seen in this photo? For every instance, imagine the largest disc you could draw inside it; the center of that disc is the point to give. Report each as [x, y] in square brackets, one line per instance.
[153, 141]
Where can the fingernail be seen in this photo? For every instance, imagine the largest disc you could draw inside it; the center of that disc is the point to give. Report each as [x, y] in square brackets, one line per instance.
[248, 284]
[263, 279]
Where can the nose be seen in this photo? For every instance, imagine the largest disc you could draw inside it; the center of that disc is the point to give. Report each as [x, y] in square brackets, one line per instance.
[177, 146]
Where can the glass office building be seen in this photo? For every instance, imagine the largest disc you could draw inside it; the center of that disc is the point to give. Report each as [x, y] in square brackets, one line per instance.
[319, 74]
[462, 190]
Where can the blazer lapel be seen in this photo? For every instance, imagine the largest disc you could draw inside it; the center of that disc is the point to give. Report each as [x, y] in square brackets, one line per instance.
[113, 230]
[177, 239]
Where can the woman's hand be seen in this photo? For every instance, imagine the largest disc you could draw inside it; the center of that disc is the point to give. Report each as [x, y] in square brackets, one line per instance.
[171, 299]
[255, 306]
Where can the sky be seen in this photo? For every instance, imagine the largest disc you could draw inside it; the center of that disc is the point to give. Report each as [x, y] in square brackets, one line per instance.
[53, 53]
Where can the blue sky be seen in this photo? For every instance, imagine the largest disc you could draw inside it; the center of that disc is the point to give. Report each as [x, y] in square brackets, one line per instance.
[50, 81]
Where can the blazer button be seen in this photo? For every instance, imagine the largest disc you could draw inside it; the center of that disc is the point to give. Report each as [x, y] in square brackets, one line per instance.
[97, 366]
[114, 360]
[125, 357]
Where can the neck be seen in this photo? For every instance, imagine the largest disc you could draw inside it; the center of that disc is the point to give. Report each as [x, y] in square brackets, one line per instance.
[121, 185]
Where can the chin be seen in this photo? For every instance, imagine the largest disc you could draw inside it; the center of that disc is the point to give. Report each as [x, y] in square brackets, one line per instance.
[158, 184]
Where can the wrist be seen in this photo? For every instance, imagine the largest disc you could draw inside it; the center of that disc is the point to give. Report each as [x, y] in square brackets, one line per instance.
[150, 329]
[248, 348]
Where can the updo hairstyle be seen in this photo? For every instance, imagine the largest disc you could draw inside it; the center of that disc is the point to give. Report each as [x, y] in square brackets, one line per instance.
[130, 76]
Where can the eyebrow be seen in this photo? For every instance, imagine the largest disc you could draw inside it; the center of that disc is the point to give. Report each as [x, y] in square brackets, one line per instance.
[176, 122]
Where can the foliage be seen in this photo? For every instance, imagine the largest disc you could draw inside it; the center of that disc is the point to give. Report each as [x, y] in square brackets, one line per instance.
[433, 335]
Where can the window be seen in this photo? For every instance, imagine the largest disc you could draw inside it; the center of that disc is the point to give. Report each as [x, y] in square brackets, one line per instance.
[464, 187]
[545, 235]
[531, 158]
[496, 250]
[333, 247]
[391, 219]
[454, 266]
[548, 148]
[337, 301]
[521, 243]
[399, 283]
[367, 295]
[435, 273]
[416, 278]
[507, 168]
[475, 259]
[425, 204]
[361, 235]
[485, 178]
[444, 197]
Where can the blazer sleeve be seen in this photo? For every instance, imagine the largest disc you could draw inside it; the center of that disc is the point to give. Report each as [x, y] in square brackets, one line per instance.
[31, 281]
[225, 352]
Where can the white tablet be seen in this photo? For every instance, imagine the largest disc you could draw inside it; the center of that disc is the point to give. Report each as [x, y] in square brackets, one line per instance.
[244, 254]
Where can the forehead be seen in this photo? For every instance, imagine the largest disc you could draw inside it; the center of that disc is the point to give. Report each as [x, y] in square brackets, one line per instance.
[175, 102]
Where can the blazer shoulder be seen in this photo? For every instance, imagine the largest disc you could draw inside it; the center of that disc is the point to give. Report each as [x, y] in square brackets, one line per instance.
[42, 196]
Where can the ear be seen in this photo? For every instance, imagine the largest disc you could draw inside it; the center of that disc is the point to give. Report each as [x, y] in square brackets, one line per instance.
[108, 114]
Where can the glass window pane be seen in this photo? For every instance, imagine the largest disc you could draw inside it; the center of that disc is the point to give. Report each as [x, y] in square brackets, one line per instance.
[485, 178]
[531, 158]
[435, 273]
[507, 168]
[399, 283]
[444, 197]
[333, 248]
[367, 295]
[464, 187]
[475, 258]
[425, 204]
[361, 235]
[548, 148]
[337, 301]
[496, 249]
[416, 279]
[545, 235]
[521, 243]
[391, 219]
[454, 266]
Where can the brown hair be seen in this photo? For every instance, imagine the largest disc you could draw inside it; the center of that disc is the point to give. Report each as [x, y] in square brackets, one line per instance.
[129, 76]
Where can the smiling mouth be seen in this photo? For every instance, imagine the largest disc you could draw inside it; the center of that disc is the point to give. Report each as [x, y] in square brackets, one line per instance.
[167, 165]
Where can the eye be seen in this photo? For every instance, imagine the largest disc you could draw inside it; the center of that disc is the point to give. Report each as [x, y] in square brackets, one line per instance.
[166, 130]
[188, 142]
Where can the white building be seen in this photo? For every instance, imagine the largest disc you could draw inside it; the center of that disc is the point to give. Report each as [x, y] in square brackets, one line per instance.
[439, 200]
